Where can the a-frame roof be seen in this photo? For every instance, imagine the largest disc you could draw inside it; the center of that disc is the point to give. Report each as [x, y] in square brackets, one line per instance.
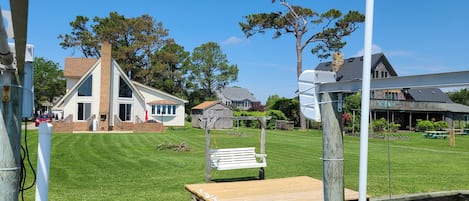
[88, 72]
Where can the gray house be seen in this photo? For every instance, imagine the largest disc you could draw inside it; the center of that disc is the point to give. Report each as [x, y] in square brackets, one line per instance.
[402, 106]
[238, 98]
[212, 109]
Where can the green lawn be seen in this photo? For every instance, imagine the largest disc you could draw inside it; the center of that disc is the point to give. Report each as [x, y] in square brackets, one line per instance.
[129, 167]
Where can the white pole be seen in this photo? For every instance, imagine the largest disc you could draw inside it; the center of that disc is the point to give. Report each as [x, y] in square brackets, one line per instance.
[43, 161]
[365, 104]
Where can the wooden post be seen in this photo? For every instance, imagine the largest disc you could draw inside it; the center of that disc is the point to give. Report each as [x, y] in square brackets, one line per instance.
[452, 138]
[208, 177]
[333, 150]
[208, 122]
[263, 123]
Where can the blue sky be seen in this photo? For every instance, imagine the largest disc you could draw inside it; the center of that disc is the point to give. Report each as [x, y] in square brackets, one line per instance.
[417, 37]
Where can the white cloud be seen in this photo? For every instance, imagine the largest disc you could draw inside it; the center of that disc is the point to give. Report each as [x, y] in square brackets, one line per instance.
[377, 49]
[233, 40]
[374, 49]
[400, 53]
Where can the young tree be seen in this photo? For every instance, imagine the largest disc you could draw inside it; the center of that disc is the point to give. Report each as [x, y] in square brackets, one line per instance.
[133, 40]
[49, 81]
[332, 26]
[210, 70]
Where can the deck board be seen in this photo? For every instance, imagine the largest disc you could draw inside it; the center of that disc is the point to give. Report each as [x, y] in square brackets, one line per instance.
[300, 188]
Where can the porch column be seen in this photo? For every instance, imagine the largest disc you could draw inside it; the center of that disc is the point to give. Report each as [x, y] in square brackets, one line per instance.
[410, 121]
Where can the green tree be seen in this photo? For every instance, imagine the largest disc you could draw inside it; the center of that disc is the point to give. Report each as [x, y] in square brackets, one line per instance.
[168, 65]
[209, 70]
[461, 96]
[289, 107]
[133, 40]
[271, 101]
[49, 81]
[332, 27]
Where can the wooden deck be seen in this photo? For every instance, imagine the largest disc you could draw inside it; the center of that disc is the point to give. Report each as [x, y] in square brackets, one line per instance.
[285, 189]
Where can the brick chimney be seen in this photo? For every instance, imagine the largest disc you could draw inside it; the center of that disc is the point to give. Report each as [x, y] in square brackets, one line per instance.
[105, 87]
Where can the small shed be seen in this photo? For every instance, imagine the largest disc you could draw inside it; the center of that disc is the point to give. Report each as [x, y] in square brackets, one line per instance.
[212, 109]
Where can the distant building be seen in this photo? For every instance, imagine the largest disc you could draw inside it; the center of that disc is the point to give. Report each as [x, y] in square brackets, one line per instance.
[212, 109]
[402, 106]
[238, 98]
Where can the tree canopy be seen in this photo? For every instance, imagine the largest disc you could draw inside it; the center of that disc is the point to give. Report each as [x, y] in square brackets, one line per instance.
[49, 81]
[332, 26]
[460, 96]
[210, 69]
[133, 40]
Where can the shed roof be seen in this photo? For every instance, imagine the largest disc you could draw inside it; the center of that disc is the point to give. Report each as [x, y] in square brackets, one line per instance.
[205, 105]
[429, 95]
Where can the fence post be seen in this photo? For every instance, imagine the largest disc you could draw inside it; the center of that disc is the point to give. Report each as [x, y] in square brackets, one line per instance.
[43, 161]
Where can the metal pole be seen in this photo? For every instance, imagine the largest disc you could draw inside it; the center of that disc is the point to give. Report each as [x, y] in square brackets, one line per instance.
[365, 102]
[43, 162]
[10, 137]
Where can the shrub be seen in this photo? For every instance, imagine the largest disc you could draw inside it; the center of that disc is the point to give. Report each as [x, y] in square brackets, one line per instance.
[379, 125]
[440, 125]
[424, 125]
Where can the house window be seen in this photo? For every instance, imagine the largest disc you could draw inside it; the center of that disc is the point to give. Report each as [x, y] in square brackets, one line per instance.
[86, 87]
[163, 110]
[84, 111]
[125, 112]
[124, 89]
[385, 74]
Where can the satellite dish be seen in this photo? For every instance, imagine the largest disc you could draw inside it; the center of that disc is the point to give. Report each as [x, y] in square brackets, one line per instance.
[308, 87]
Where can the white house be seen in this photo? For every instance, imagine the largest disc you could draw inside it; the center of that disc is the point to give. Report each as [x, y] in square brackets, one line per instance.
[99, 89]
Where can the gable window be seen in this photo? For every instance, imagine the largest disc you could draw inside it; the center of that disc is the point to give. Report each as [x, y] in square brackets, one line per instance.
[163, 110]
[125, 112]
[86, 88]
[124, 89]
[84, 111]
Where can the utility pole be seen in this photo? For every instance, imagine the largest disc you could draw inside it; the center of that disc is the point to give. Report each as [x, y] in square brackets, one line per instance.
[12, 80]
[333, 146]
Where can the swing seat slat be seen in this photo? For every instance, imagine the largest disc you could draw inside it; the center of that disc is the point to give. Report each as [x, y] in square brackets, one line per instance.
[236, 158]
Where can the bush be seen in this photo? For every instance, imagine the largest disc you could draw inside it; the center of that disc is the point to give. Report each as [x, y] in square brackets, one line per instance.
[424, 125]
[382, 125]
[379, 125]
[440, 125]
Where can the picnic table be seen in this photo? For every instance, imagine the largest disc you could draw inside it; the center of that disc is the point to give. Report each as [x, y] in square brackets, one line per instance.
[301, 188]
[435, 134]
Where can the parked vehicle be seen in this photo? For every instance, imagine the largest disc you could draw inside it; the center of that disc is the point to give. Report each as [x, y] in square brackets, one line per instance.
[41, 118]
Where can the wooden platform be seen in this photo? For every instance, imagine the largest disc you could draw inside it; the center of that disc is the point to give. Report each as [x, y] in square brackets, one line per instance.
[285, 189]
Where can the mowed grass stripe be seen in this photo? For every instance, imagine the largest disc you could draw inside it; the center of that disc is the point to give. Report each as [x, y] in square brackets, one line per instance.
[128, 166]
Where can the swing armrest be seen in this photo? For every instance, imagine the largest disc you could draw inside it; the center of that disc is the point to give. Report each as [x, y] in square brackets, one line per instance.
[261, 155]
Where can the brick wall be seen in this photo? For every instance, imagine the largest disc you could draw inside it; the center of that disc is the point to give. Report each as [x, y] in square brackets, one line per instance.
[69, 127]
